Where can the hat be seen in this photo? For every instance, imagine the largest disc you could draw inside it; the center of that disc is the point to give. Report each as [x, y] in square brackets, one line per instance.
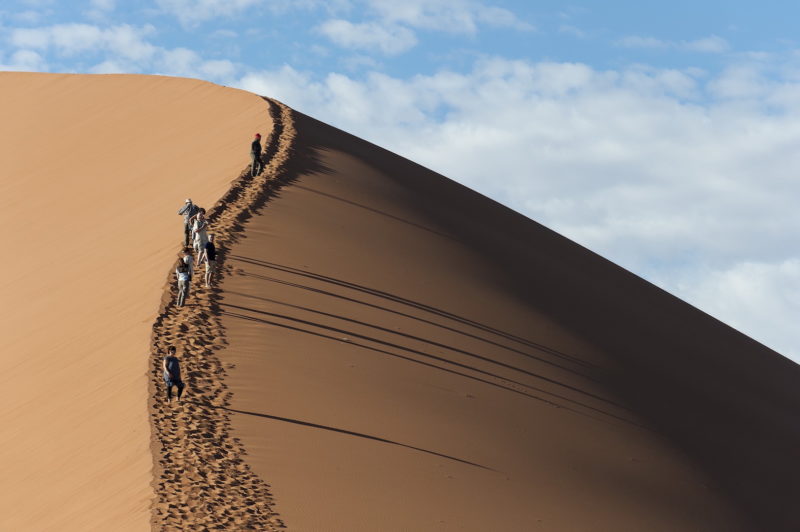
[258, 135]
[188, 200]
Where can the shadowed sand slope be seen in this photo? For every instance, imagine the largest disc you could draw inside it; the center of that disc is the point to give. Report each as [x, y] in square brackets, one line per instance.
[409, 355]
[93, 169]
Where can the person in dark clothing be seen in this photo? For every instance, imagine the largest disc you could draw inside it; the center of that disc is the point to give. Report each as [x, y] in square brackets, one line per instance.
[172, 373]
[255, 156]
[189, 210]
[209, 256]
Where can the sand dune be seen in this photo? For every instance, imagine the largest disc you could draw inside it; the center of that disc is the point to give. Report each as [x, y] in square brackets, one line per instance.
[412, 356]
[93, 170]
[387, 350]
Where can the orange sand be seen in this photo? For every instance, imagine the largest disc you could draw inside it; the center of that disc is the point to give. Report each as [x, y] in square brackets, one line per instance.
[403, 353]
[93, 171]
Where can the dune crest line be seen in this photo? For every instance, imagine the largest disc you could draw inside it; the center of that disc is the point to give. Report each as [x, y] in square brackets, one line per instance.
[201, 480]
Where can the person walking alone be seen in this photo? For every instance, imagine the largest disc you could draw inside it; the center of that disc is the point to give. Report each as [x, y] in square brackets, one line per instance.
[188, 211]
[182, 273]
[172, 373]
[255, 156]
[209, 256]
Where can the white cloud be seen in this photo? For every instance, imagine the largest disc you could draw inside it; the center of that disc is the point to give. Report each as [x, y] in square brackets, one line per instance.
[712, 44]
[25, 61]
[100, 10]
[30, 16]
[218, 69]
[740, 82]
[389, 39]
[754, 296]
[187, 63]
[110, 66]
[71, 39]
[457, 16]
[391, 31]
[635, 164]
[122, 48]
[191, 12]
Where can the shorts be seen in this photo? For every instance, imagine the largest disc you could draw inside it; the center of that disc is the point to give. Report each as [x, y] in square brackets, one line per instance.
[211, 266]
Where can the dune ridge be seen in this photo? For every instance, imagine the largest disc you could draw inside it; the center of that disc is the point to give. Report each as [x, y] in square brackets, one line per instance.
[201, 479]
[384, 319]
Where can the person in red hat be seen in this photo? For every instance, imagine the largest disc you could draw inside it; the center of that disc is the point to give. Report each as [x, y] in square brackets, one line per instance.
[257, 164]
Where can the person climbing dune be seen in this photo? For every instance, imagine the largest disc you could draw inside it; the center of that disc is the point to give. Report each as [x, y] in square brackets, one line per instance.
[182, 274]
[256, 164]
[200, 231]
[189, 261]
[188, 211]
[200, 210]
[209, 256]
[172, 373]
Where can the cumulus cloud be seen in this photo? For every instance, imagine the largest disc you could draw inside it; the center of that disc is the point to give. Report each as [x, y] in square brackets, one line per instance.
[71, 39]
[24, 61]
[389, 39]
[646, 166]
[390, 29]
[121, 48]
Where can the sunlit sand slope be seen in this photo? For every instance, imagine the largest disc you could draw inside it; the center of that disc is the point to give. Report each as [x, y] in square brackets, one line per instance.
[92, 171]
[410, 355]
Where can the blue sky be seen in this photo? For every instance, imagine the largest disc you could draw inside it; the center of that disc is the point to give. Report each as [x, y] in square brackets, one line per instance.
[662, 135]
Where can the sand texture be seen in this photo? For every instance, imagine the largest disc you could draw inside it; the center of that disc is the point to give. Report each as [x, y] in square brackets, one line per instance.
[94, 169]
[203, 481]
[386, 350]
[405, 354]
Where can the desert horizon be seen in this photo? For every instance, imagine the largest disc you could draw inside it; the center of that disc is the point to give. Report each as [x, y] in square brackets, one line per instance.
[381, 348]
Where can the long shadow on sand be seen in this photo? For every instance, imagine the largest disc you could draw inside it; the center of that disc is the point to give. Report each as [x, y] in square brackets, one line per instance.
[423, 340]
[558, 402]
[347, 432]
[594, 369]
[423, 307]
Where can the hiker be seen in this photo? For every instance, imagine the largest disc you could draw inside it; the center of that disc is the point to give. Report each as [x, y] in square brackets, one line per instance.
[200, 210]
[172, 373]
[209, 256]
[189, 261]
[188, 211]
[199, 229]
[182, 273]
[256, 165]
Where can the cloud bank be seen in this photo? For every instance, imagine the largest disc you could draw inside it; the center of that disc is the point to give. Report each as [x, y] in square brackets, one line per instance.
[673, 175]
